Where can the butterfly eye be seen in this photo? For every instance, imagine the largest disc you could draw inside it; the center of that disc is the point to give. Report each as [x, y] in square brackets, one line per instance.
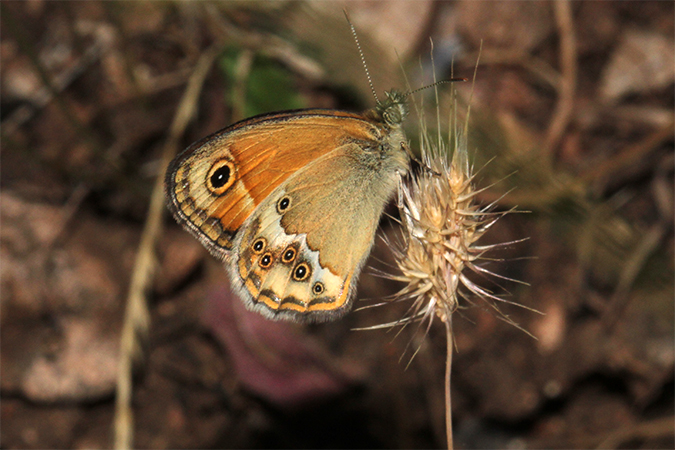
[266, 260]
[258, 245]
[318, 288]
[301, 272]
[387, 117]
[283, 204]
[220, 177]
[289, 255]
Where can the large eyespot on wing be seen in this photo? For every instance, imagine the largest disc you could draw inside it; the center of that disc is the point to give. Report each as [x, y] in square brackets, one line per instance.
[204, 185]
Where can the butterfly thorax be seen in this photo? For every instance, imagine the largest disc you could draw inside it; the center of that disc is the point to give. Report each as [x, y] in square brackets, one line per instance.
[389, 116]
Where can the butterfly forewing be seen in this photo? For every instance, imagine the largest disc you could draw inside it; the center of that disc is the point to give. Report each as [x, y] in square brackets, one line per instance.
[257, 155]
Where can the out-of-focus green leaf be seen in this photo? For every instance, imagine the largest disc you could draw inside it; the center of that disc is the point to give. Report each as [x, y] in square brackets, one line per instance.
[269, 85]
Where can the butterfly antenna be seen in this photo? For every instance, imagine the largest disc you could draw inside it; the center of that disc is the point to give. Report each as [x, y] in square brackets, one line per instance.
[363, 59]
[451, 80]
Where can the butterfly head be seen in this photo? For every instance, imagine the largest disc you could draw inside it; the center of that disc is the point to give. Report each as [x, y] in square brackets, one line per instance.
[394, 109]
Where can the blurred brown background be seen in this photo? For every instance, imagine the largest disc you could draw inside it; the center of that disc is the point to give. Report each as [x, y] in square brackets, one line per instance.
[572, 114]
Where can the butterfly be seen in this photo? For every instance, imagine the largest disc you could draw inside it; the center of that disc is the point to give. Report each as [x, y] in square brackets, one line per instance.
[291, 201]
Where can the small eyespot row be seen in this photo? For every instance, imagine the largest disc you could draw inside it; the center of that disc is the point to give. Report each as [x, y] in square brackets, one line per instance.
[301, 272]
[289, 255]
[318, 288]
[266, 260]
[258, 245]
[283, 204]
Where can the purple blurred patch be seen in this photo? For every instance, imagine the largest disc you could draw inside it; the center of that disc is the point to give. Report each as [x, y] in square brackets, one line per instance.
[276, 361]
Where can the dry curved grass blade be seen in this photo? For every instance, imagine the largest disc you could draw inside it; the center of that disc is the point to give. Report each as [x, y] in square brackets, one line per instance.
[137, 317]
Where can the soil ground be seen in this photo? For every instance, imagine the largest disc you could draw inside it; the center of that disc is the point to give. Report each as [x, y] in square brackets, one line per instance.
[571, 123]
